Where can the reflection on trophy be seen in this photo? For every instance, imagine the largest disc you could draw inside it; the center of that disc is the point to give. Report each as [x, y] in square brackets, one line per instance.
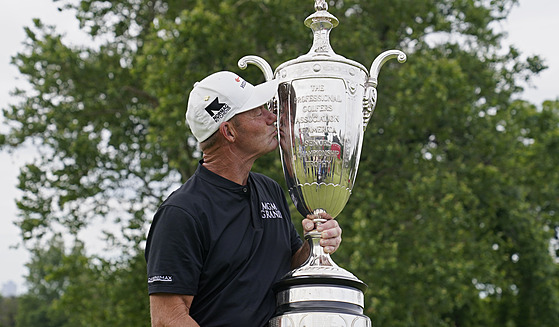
[325, 102]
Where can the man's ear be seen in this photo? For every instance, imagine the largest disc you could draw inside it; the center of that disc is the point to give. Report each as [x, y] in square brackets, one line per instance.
[228, 131]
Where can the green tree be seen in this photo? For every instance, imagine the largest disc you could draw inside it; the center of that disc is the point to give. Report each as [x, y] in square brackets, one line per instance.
[455, 203]
[45, 287]
[8, 311]
[70, 288]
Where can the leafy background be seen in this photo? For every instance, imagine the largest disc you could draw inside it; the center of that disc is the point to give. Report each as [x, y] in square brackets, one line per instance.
[456, 199]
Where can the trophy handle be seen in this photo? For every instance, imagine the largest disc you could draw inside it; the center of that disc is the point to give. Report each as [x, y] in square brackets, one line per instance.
[370, 95]
[380, 61]
[369, 104]
[258, 62]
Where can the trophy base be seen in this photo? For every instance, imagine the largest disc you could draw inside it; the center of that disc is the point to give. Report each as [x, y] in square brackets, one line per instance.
[319, 301]
[319, 293]
[319, 319]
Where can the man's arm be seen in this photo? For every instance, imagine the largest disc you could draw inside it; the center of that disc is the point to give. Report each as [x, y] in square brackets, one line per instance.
[171, 310]
[300, 256]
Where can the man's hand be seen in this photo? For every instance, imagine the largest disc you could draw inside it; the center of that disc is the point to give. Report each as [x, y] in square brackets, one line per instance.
[331, 233]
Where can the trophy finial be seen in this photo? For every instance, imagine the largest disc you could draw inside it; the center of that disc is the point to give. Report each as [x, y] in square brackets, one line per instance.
[320, 5]
[321, 19]
[321, 22]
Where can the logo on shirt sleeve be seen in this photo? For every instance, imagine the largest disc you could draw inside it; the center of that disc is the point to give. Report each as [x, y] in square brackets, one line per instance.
[269, 210]
[160, 278]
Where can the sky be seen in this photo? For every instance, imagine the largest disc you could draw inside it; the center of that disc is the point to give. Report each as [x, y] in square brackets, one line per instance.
[531, 27]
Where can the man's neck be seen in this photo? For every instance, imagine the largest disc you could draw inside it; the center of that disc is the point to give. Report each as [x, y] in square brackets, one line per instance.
[228, 164]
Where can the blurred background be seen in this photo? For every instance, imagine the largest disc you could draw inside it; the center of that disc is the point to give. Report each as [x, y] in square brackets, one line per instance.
[92, 138]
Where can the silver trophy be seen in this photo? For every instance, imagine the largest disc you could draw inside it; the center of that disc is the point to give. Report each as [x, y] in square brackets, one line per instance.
[324, 104]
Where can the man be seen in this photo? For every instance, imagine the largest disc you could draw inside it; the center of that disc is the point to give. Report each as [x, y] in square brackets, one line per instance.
[219, 242]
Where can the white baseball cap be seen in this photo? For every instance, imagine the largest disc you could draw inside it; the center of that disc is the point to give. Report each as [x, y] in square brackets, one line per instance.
[219, 97]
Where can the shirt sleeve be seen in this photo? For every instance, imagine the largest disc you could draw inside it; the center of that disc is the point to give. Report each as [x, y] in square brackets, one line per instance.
[174, 252]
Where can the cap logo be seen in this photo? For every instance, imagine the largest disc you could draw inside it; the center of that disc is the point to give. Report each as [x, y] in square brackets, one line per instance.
[217, 109]
[243, 83]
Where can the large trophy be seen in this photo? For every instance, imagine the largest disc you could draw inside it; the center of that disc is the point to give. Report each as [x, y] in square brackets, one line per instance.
[324, 104]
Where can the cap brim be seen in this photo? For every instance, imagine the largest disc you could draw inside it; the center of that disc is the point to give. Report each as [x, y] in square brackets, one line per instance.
[261, 94]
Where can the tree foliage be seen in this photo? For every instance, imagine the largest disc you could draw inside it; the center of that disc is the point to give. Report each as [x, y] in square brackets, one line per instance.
[69, 288]
[453, 219]
[8, 311]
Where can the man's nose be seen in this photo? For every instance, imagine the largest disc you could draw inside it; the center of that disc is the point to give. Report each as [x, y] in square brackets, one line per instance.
[271, 117]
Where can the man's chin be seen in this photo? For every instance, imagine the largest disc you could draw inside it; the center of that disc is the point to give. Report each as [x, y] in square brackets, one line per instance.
[273, 146]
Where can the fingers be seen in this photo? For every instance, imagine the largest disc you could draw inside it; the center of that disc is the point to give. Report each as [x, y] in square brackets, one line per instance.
[331, 236]
[308, 225]
[330, 231]
[330, 245]
[322, 215]
[329, 226]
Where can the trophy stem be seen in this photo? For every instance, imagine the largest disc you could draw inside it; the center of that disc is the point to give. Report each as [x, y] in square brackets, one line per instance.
[317, 256]
[319, 264]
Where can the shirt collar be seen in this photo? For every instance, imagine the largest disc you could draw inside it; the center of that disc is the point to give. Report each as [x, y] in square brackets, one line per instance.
[220, 181]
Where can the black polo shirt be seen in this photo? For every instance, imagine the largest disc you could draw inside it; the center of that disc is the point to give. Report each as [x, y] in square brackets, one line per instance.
[224, 243]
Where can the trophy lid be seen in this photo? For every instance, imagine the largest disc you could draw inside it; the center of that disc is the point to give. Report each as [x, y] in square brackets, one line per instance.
[321, 22]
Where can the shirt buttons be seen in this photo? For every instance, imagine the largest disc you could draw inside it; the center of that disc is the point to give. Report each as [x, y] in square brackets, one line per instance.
[245, 189]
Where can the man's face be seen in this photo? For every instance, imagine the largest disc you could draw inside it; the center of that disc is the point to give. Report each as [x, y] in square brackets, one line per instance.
[257, 133]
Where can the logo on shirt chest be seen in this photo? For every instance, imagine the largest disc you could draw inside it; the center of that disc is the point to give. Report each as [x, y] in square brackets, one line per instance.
[269, 210]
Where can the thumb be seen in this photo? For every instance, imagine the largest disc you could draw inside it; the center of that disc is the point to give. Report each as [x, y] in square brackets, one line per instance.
[308, 225]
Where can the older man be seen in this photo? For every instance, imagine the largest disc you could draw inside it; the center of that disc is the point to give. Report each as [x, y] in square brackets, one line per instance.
[220, 241]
